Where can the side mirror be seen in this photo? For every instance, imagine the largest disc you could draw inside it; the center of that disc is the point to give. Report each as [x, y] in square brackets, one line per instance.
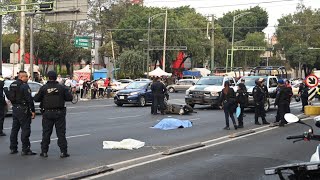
[193, 84]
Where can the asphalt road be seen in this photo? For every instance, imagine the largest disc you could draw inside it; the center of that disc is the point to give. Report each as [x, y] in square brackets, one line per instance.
[89, 123]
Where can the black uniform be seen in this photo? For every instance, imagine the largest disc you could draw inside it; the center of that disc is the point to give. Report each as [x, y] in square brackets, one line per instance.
[158, 92]
[52, 97]
[242, 99]
[303, 91]
[2, 106]
[228, 101]
[283, 102]
[22, 106]
[259, 96]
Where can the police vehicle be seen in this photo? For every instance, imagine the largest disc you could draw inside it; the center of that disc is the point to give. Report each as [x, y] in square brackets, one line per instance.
[34, 86]
[207, 90]
[270, 81]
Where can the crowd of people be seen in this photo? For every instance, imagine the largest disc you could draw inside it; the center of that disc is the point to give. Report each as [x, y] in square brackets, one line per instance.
[230, 100]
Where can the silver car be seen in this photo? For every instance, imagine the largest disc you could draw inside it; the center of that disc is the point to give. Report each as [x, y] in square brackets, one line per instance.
[182, 85]
[34, 86]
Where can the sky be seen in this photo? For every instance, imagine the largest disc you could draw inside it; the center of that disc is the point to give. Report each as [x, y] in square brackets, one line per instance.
[275, 8]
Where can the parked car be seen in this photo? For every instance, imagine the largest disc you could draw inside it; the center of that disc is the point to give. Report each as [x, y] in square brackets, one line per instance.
[207, 90]
[34, 86]
[138, 92]
[182, 85]
[142, 79]
[270, 81]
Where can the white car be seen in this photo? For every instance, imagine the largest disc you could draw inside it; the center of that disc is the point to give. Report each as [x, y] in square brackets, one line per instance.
[34, 86]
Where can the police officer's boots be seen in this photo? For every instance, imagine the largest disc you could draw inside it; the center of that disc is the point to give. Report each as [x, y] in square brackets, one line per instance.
[264, 121]
[256, 121]
[2, 133]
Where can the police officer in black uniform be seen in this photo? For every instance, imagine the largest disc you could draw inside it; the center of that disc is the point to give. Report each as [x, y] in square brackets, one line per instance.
[22, 113]
[158, 91]
[2, 106]
[303, 92]
[52, 97]
[259, 96]
[283, 101]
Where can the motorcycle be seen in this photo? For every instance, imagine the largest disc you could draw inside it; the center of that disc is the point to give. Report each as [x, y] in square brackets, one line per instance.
[305, 170]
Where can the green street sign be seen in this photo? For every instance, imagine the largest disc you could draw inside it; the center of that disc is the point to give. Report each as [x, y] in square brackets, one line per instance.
[84, 41]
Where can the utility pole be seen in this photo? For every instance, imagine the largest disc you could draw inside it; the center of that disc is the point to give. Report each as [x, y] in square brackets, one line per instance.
[165, 41]
[148, 48]
[0, 41]
[113, 57]
[31, 46]
[22, 34]
[212, 44]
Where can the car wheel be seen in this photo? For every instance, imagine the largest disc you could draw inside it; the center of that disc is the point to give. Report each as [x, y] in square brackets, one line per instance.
[171, 90]
[119, 104]
[266, 105]
[142, 101]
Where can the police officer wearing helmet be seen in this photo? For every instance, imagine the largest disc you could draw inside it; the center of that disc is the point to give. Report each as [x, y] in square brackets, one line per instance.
[283, 99]
[52, 97]
[22, 112]
[2, 106]
[259, 96]
[158, 91]
[303, 92]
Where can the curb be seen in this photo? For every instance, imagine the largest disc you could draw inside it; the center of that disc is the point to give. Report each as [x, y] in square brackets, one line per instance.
[242, 133]
[84, 174]
[183, 148]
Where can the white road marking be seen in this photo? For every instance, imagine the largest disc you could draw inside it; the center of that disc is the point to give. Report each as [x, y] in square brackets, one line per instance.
[78, 113]
[125, 117]
[73, 107]
[81, 135]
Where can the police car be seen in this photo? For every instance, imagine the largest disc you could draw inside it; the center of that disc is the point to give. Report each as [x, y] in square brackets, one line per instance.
[34, 86]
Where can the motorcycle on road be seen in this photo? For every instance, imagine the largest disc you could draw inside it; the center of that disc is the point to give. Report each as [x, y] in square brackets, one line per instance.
[305, 170]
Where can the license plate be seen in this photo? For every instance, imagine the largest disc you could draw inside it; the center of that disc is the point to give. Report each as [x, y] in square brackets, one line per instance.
[121, 97]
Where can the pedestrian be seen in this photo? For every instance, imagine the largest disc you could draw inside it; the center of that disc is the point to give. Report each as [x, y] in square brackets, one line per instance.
[152, 97]
[303, 92]
[107, 84]
[68, 82]
[22, 112]
[283, 101]
[101, 86]
[228, 103]
[158, 91]
[259, 97]
[264, 88]
[81, 81]
[242, 100]
[2, 105]
[52, 97]
[59, 79]
[95, 89]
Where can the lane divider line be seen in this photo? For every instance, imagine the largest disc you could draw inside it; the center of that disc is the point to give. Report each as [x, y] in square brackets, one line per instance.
[81, 135]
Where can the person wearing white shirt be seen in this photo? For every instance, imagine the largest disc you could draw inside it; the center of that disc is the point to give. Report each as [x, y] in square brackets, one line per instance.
[81, 81]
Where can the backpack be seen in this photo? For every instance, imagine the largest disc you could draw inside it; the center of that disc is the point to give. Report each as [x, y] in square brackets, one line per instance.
[13, 91]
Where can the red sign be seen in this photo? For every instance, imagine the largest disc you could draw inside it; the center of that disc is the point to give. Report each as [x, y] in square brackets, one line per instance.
[312, 81]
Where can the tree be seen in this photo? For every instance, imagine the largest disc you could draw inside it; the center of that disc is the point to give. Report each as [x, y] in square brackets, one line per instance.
[296, 33]
[131, 63]
[256, 21]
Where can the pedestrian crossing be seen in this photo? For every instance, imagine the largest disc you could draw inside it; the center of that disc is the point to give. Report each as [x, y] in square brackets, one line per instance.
[298, 105]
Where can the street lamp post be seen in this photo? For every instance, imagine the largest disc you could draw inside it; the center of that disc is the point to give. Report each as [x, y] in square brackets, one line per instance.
[149, 27]
[234, 19]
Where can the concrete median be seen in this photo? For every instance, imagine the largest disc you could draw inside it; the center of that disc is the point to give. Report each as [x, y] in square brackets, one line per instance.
[312, 110]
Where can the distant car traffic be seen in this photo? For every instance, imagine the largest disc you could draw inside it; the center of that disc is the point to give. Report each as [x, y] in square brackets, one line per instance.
[34, 86]
[138, 92]
[182, 85]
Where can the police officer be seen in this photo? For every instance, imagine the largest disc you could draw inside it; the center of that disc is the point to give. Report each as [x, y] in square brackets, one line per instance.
[2, 106]
[242, 100]
[158, 91]
[303, 92]
[264, 87]
[283, 96]
[52, 97]
[259, 97]
[22, 113]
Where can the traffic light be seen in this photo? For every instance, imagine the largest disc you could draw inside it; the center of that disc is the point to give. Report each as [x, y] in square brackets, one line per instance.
[46, 6]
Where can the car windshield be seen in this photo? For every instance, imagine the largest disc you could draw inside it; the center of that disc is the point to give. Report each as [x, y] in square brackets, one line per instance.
[250, 81]
[136, 85]
[211, 81]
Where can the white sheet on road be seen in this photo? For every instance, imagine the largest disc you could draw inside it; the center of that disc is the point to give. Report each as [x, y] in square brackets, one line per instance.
[128, 144]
